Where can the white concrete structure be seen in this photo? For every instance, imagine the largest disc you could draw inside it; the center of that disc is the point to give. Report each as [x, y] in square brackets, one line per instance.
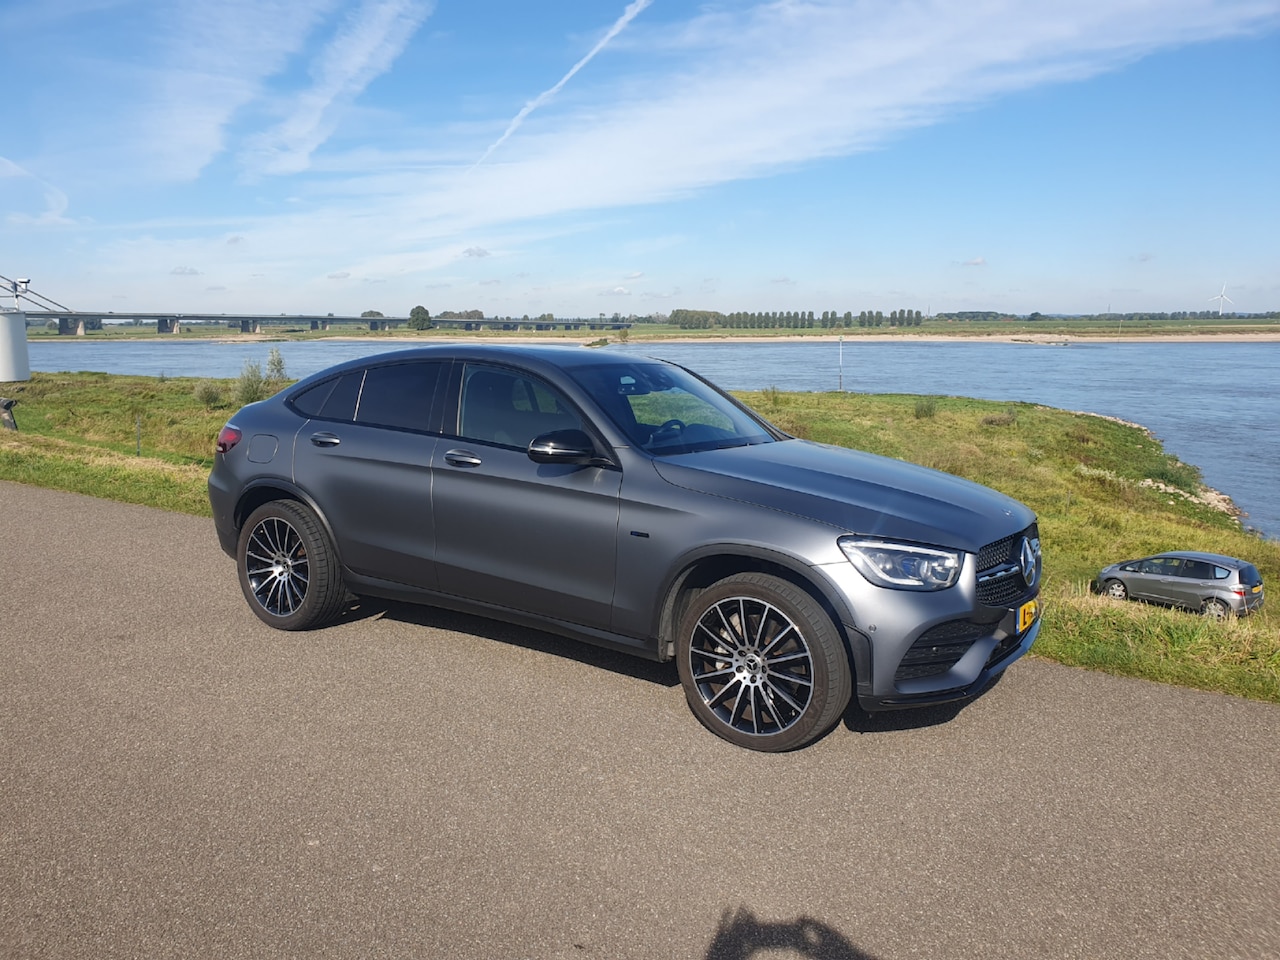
[14, 362]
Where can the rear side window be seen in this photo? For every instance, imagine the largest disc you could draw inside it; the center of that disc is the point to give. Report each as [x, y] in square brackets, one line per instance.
[1197, 570]
[400, 395]
[331, 400]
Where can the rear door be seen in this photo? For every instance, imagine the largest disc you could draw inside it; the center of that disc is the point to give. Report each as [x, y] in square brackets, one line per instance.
[540, 538]
[366, 458]
[1195, 583]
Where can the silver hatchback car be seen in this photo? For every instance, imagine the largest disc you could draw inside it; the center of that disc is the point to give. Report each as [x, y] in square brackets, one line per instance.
[628, 503]
[1215, 585]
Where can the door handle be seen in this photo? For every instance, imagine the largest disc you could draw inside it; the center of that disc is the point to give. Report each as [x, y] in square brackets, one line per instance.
[325, 439]
[462, 458]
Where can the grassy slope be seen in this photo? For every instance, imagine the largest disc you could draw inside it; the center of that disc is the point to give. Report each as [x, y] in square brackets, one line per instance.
[1089, 479]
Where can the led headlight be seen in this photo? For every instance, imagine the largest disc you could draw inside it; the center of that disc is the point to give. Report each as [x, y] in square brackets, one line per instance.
[903, 566]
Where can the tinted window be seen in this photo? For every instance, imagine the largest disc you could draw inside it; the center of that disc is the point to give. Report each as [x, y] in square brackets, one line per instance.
[1249, 574]
[501, 406]
[1197, 570]
[399, 395]
[331, 400]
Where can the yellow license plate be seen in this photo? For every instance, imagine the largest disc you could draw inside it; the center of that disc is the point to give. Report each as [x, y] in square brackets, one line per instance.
[1027, 614]
[1257, 588]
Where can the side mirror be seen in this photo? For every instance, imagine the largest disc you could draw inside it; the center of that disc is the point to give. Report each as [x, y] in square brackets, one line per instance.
[564, 446]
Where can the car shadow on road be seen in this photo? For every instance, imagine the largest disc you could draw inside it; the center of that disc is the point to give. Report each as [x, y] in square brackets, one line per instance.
[438, 618]
[858, 720]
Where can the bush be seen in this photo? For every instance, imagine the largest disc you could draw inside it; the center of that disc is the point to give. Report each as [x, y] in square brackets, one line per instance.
[208, 393]
[275, 368]
[926, 407]
[252, 385]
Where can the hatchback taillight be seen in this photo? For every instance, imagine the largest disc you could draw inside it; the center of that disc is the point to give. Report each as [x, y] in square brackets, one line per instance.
[228, 437]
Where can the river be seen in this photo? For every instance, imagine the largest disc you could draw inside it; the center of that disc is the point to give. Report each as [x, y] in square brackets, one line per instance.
[1211, 404]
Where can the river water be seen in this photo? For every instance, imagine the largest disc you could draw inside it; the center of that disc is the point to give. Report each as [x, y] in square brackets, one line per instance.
[1216, 405]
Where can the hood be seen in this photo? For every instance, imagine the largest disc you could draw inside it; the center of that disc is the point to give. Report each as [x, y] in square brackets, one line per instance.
[860, 493]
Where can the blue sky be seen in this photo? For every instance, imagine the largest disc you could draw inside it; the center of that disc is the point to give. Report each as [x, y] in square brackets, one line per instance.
[316, 156]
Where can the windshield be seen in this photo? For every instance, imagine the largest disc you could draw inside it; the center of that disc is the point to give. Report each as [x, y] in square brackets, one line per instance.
[664, 409]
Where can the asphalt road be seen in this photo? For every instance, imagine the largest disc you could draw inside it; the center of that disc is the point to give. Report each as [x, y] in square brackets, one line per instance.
[177, 780]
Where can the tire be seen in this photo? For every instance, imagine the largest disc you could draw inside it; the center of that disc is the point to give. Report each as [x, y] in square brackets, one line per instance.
[762, 664]
[288, 567]
[1116, 590]
[1215, 609]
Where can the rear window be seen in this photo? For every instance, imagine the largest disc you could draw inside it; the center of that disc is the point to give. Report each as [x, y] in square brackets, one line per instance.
[1249, 574]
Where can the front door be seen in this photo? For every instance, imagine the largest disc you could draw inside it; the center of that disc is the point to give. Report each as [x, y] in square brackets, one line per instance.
[539, 538]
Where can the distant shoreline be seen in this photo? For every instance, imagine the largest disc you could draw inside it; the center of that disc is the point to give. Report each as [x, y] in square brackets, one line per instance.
[1041, 339]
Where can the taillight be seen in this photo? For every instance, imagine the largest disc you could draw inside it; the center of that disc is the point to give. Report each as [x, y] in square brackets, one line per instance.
[228, 437]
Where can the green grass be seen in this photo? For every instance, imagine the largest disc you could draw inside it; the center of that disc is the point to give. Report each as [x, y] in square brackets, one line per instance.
[1104, 491]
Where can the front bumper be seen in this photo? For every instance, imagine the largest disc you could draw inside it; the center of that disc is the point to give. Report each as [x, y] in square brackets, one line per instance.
[916, 648]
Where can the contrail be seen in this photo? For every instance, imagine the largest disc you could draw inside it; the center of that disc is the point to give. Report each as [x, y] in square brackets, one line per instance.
[632, 11]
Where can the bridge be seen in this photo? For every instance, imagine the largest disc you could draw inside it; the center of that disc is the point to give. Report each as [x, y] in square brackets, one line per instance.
[77, 322]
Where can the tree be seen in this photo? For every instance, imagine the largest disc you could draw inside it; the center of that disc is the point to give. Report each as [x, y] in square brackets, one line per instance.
[419, 318]
[371, 314]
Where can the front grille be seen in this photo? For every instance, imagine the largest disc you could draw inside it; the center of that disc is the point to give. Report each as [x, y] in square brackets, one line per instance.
[938, 649]
[1000, 582]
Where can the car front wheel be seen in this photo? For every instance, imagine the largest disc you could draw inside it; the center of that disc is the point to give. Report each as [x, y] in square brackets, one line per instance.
[288, 567]
[1115, 589]
[762, 664]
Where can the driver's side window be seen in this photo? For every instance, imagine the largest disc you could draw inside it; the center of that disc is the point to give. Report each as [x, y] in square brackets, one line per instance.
[504, 407]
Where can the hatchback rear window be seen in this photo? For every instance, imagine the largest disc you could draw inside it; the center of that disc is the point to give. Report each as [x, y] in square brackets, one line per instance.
[1249, 574]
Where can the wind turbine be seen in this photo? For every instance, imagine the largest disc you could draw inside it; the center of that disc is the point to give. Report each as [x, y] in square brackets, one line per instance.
[1222, 298]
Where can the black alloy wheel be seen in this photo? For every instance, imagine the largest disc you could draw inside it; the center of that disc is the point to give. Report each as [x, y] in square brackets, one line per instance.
[762, 664]
[288, 567]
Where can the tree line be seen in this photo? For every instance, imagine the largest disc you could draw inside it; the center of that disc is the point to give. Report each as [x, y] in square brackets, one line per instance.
[793, 319]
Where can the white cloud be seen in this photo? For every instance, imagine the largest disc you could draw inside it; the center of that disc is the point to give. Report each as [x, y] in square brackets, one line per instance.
[214, 60]
[365, 47]
[49, 208]
[747, 105]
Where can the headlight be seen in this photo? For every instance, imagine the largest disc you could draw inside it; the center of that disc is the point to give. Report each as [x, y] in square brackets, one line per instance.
[903, 566]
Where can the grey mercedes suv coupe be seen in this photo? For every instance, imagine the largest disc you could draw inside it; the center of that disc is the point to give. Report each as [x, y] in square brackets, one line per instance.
[629, 503]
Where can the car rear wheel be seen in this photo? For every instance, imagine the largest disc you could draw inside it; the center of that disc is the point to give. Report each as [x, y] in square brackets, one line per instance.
[762, 664]
[1215, 609]
[288, 567]
[1116, 589]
